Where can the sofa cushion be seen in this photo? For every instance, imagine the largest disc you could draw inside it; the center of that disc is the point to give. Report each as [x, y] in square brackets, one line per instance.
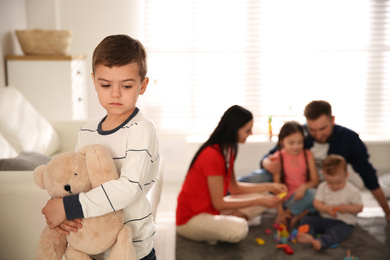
[6, 151]
[22, 126]
[26, 161]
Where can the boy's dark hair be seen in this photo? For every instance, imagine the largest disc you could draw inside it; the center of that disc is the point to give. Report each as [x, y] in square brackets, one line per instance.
[120, 50]
[317, 108]
[332, 163]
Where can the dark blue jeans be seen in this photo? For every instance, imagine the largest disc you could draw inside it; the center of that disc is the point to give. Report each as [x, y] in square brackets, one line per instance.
[257, 176]
[150, 256]
[334, 231]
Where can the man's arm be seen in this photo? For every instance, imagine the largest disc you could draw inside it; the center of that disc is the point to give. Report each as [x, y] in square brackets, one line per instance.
[358, 157]
[272, 151]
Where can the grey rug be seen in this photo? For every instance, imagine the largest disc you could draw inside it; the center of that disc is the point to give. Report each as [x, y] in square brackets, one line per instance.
[370, 240]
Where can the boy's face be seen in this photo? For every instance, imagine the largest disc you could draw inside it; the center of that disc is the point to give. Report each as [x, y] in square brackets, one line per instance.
[338, 180]
[118, 89]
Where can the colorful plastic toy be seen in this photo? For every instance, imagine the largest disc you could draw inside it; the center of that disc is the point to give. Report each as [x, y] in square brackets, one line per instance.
[260, 241]
[288, 250]
[304, 228]
[282, 195]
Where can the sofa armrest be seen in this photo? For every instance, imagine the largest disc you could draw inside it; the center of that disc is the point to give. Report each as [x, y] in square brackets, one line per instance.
[22, 221]
[67, 132]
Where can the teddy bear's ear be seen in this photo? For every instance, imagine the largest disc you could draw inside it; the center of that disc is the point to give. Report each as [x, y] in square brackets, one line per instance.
[100, 165]
[38, 176]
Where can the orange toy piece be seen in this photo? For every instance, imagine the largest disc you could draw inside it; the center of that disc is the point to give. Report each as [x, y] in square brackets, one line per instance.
[304, 228]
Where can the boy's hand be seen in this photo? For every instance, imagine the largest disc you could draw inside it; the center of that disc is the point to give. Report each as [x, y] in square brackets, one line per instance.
[54, 212]
[343, 208]
[331, 210]
[69, 225]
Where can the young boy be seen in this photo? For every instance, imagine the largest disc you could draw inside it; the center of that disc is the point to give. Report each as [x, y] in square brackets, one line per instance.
[337, 201]
[119, 75]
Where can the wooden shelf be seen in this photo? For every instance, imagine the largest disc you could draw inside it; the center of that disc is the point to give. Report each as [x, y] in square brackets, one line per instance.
[42, 57]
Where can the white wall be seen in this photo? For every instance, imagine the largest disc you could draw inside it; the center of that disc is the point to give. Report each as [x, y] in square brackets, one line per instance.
[13, 17]
[178, 154]
[91, 21]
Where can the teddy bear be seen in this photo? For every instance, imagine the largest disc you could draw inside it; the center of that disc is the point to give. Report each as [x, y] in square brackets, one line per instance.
[72, 173]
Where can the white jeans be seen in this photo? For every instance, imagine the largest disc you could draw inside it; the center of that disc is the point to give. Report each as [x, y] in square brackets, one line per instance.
[226, 228]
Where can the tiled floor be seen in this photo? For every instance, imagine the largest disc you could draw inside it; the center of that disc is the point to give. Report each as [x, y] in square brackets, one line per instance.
[165, 238]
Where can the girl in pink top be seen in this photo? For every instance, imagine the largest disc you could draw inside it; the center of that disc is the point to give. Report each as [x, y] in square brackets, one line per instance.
[298, 172]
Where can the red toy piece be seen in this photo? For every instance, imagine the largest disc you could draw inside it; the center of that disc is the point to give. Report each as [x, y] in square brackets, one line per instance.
[288, 250]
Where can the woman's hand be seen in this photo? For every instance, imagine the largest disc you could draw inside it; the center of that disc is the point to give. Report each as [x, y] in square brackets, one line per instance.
[270, 201]
[277, 188]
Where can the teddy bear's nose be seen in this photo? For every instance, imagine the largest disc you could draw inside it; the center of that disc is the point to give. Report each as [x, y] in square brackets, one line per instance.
[67, 188]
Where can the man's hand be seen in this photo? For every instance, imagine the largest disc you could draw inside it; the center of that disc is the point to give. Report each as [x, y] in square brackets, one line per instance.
[54, 212]
[272, 164]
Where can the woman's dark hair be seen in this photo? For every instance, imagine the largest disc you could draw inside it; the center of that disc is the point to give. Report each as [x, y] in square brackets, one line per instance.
[226, 132]
[287, 129]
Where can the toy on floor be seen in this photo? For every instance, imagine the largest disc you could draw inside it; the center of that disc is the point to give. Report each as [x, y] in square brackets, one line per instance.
[304, 228]
[282, 236]
[260, 241]
[349, 257]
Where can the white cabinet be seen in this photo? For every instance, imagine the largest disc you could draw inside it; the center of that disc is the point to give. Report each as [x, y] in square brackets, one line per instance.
[54, 85]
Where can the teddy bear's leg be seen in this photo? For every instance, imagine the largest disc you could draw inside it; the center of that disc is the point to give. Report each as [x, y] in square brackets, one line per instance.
[51, 245]
[74, 254]
[123, 247]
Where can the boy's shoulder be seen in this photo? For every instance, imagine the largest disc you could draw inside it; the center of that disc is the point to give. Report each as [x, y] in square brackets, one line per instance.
[90, 126]
[140, 119]
[351, 188]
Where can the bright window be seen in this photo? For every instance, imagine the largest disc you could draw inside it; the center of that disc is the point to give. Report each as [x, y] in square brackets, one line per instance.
[270, 56]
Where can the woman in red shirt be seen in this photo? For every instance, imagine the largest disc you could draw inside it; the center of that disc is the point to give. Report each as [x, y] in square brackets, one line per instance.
[204, 210]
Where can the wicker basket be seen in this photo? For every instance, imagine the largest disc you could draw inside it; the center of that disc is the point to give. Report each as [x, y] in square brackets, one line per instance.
[44, 42]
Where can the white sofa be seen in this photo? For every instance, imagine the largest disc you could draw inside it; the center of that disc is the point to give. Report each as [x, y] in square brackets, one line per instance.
[20, 199]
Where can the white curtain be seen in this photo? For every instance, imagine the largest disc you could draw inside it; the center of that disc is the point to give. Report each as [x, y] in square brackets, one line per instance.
[270, 56]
